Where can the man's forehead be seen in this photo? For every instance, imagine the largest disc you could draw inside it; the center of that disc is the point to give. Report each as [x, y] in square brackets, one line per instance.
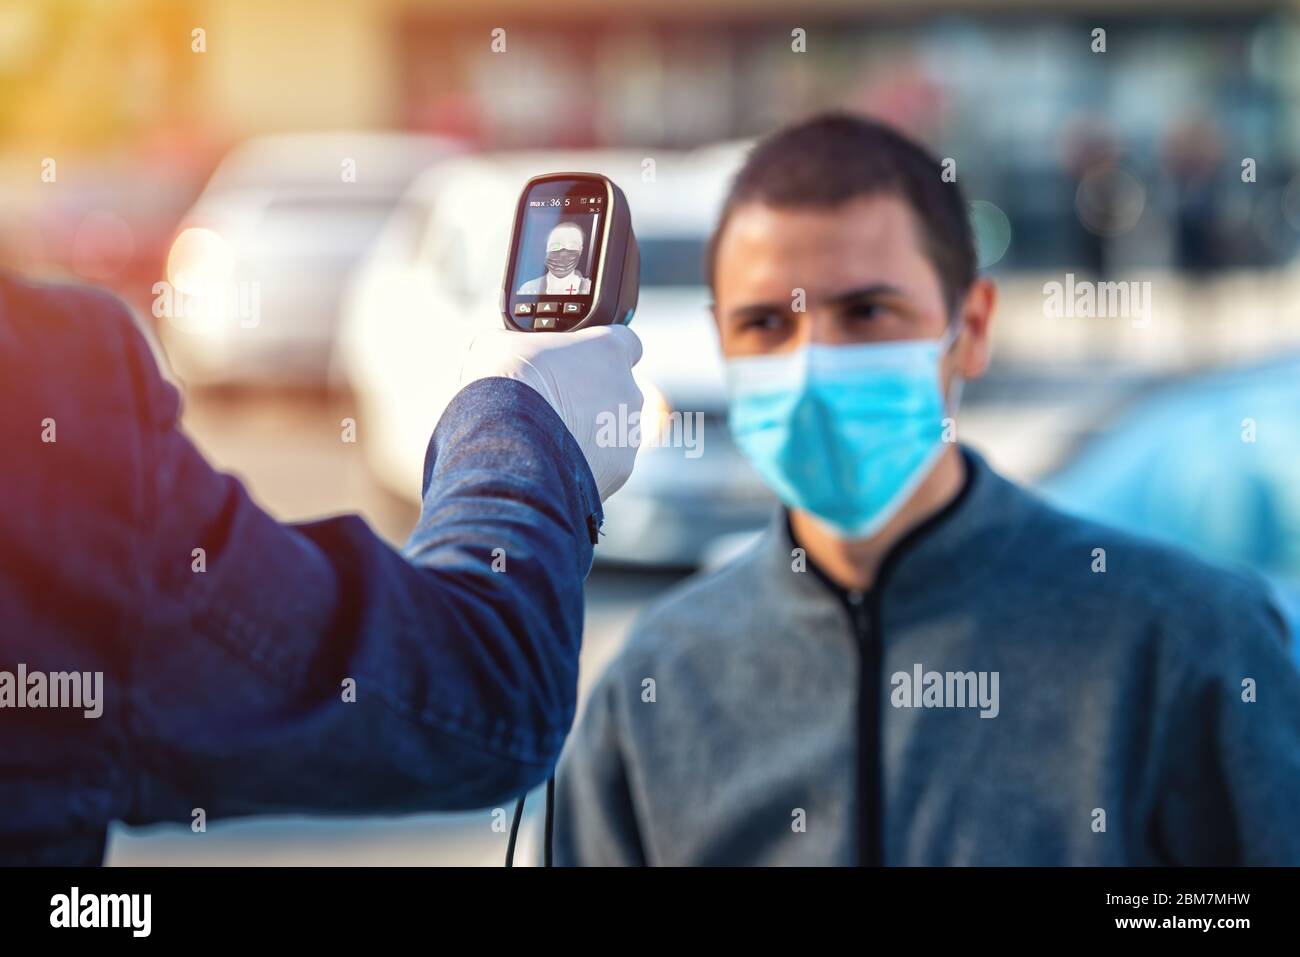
[764, 244]
[880, 220]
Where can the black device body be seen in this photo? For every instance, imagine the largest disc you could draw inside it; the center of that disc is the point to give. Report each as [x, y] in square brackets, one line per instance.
[560, 216]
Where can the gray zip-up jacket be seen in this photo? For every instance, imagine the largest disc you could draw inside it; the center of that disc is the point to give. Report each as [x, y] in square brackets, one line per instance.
[1019, 687]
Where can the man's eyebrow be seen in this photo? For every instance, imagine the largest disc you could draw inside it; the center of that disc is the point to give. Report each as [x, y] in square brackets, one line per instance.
[755, 309]
[873, 291]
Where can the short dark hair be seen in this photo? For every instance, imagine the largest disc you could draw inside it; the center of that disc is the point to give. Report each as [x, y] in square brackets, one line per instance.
[832, 158]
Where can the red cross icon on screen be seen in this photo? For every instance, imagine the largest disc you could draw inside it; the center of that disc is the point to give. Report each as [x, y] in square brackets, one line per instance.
[572, 288]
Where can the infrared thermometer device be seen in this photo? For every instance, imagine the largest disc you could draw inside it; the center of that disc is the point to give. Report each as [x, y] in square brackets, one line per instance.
[573, 259]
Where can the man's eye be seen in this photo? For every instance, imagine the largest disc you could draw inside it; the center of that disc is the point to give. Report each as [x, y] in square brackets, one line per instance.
[865, 310]
[768, 322]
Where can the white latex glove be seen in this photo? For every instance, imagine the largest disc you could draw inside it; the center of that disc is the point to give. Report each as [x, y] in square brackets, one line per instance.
[585, 375]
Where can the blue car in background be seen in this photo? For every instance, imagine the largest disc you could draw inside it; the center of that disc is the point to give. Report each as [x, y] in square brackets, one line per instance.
[1210, 462]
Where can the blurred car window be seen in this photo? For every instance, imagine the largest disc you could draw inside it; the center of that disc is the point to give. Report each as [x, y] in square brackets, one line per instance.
[677, 261]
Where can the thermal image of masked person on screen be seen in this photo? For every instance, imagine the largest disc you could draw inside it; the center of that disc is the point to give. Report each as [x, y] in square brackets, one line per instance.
[563, 251]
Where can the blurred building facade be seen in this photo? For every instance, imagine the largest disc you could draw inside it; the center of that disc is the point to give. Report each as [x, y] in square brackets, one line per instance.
[1104, 161]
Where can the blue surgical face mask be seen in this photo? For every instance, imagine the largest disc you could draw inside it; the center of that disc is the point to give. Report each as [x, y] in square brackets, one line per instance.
[846, 433]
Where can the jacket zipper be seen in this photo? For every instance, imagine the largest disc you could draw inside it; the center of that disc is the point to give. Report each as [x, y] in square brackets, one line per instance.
[864, 611]
[864, 608]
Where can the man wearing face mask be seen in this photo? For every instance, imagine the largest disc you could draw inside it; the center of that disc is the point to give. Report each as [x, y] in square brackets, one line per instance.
[563, 250]
[920, 662]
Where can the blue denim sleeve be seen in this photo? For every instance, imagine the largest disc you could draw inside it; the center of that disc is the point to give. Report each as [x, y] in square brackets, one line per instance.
[313, 668]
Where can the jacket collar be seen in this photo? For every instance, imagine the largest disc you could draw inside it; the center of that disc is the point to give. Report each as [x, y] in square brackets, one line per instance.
[954, 546]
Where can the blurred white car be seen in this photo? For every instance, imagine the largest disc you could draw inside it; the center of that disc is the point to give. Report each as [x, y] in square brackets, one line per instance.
[433, 278]
[255, 272]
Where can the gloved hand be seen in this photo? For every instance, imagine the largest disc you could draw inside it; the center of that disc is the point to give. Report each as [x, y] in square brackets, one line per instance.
[581, 374]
